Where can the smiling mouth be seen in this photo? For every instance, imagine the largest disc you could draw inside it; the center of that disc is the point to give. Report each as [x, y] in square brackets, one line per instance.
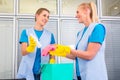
[44, 21]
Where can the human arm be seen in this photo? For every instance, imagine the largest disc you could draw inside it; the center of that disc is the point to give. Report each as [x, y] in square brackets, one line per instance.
[89, 54]
[25, 47]
[94, 43]
[70, 56]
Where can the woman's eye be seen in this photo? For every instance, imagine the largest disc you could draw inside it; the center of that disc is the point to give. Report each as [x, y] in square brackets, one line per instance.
[44, 15]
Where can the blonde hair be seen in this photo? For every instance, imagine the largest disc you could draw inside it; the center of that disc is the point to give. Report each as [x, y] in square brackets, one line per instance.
[39, 11]
[93, 10]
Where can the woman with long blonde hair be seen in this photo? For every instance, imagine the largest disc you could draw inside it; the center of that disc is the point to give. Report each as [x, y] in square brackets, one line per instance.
[90, 45]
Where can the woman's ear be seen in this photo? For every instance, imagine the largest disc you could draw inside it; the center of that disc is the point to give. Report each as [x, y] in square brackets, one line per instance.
[87, 11]
[36, 15]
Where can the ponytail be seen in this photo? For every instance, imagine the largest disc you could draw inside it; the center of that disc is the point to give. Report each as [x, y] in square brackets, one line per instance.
[93, 12]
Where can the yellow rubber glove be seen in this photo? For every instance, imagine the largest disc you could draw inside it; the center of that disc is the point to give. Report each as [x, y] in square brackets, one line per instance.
[32, 45]
[60, 50]
[52, 61]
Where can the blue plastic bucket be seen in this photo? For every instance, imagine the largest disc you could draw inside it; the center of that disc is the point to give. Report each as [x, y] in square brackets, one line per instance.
[62, 71]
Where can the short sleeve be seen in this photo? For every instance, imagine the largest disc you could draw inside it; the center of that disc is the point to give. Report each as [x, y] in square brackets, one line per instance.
[23, 37]
[98, 34]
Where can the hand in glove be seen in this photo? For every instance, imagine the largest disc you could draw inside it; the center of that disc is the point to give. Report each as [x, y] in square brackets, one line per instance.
[52, 61]
[61, 50]
[32, 45]
[48, 48]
